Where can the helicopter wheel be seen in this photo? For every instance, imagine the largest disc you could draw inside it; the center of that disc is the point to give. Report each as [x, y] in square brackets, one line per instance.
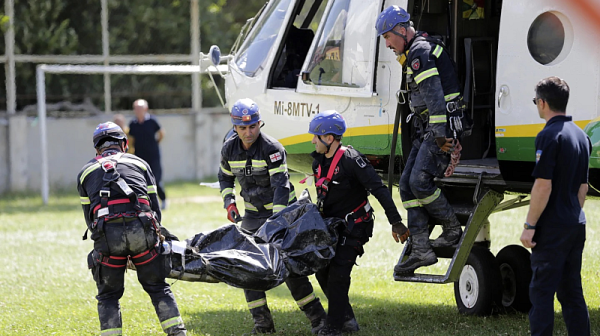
[479, 286]
[515, 270]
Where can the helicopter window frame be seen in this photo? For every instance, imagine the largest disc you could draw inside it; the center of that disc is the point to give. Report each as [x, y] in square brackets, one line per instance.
[261, 42]
[358, 64]
[550, 38]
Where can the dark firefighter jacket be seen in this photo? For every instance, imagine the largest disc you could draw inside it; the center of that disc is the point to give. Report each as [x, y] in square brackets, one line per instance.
[261, 172]
[351, 184]
[133, 170]
[432, 81]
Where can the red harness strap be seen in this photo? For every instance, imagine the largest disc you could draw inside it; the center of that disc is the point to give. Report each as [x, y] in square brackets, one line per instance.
[336, 159]
[122, 201]
[138, 259]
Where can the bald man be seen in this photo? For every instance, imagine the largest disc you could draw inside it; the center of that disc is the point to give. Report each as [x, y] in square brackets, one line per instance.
[144, 135]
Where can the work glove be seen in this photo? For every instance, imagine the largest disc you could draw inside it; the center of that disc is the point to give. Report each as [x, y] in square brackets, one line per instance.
[233, 214]
[400, 232]
[445, 144]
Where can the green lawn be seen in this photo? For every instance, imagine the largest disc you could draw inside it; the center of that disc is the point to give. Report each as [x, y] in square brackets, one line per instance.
[46, 288]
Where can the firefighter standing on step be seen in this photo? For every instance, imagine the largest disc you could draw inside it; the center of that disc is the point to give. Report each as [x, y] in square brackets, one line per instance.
[437, 114]
[258, 161]
[118, 196]
[343, 179]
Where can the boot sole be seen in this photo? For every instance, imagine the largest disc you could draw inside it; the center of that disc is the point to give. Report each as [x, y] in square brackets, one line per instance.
[412, 271]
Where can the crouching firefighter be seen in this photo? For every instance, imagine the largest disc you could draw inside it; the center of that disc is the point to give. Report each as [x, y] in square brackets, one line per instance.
[258, 162]
[120, 206]
[439, 119]
[344, 178]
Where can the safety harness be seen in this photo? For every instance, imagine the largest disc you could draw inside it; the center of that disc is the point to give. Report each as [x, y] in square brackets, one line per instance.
[360, 214]
[125, 209]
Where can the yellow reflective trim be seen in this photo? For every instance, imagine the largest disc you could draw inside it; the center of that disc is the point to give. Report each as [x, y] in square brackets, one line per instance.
[437, 51]
[152, 189]
[144, 197]
[431, 198]
[88, 171]
[166, 324]
[250, 207]
[303, 302]
[225, 171]
[226, 192]
[237, 164]
[411, 204]
[257, 303]
[280, 169]
[114, 331]
[292, 195]
[278, 207]
[259, 163]
[451, 96]
[437, 119]
[84, 200]
[426, 74]
[132, 161]
[268, 206]
[409, 71]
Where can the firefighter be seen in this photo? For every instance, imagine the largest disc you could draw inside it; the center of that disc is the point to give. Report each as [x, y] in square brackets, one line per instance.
[343, 179]
[118, 196]
[258, 162]
[437, 112]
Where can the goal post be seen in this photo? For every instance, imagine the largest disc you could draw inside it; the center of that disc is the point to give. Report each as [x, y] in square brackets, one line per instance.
[42, 69]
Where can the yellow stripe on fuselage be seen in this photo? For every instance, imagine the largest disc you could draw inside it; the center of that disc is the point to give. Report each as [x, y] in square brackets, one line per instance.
[350, 132]
[527, 131]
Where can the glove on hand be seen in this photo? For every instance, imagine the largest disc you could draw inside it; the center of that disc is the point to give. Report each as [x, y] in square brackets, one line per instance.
[233, 214]
[445, 144]
[400, 232]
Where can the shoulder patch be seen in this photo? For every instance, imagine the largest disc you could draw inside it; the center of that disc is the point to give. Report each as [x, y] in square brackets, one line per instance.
[538, 155]
[275, 157]
[360, 162]
[416, 64]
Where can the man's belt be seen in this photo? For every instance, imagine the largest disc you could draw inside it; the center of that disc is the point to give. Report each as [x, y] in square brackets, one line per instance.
[118, 206]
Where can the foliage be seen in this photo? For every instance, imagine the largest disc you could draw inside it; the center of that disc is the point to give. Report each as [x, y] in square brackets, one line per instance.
[46, 288]
[73, 27]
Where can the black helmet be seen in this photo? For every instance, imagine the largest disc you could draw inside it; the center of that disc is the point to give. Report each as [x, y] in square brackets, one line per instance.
[107, 131]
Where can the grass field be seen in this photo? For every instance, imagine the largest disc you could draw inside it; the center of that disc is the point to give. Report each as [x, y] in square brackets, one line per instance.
[46, 288]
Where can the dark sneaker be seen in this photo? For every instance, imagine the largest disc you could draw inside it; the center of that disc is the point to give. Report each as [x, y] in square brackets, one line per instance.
[449, 237]
[317, 325]
[414, 261]
[350, 326]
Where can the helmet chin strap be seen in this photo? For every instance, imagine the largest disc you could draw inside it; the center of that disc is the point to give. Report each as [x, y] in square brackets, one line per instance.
[325, 143]
[401, 35]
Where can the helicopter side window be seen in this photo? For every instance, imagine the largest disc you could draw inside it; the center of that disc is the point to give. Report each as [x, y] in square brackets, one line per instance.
[253, 53]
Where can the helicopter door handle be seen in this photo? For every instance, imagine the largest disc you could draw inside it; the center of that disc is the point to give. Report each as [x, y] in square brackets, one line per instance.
[503, 92]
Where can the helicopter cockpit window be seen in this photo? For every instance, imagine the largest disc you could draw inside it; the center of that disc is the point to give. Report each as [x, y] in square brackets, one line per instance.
[253, 53]
[546, 38]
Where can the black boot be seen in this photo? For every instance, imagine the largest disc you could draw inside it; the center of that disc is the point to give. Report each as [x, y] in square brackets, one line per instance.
[263, 321]
[421, 255]
[350, 326]
[329, 331]
[316, 314]
[450, 236]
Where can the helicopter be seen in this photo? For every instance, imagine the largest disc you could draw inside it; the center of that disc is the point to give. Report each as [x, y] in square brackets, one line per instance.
[296, 58]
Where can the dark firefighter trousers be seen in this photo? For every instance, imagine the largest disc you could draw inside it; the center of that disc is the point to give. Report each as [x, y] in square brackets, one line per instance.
[300, 287]
[335, 278]
[556, 265]
[420, 196]
[129, 239]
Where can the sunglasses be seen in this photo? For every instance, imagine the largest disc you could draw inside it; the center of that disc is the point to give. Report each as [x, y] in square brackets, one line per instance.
[535, 100]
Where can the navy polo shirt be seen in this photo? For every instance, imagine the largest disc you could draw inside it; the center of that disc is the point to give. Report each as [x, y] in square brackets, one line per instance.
[144, 134]
[562, 155]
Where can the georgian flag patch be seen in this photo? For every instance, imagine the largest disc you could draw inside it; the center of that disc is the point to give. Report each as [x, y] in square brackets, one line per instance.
[275, 157]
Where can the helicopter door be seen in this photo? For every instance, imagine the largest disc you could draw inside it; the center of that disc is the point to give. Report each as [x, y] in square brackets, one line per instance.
[342, 57]
[539, 39]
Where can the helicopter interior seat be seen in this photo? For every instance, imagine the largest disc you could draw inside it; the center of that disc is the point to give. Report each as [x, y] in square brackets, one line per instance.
[297, 44]
[478, 94]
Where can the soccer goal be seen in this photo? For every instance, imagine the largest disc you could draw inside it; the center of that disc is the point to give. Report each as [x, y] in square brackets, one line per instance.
[42, 69]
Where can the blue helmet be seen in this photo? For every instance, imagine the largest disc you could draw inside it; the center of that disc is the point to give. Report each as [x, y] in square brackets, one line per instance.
[327, 122]
[106, 131]
[389, 18]
[245, 112]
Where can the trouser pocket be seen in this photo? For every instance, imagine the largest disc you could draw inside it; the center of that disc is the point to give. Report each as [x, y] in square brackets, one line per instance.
[93, 261]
